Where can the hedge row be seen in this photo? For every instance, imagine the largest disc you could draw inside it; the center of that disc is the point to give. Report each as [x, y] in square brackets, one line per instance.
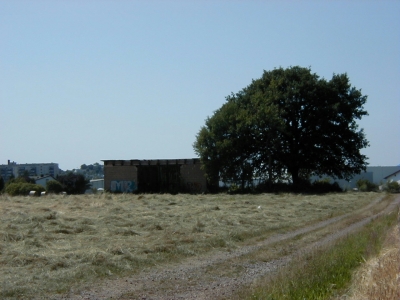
[21, 188]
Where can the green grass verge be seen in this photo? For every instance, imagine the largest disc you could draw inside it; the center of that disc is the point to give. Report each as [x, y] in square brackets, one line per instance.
[325, 272]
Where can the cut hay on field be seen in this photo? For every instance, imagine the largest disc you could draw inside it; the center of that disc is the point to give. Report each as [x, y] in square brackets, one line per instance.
[52, 243]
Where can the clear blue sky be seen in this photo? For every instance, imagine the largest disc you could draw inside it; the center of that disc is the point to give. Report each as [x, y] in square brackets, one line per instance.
[82, 81]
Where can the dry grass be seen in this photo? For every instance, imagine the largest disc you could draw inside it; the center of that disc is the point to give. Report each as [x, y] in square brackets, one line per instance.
[379, 277]
[53, 243]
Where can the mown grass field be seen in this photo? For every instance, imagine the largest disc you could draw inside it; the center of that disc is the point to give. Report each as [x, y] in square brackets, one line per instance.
[50, 244]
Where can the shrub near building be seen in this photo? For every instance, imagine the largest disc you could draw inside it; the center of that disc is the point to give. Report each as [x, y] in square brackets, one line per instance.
[53, 186]
[392, 187]
[73, 184]
[19, 186]
[365, 185]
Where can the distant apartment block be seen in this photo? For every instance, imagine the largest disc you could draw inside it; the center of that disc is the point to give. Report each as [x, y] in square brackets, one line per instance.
[33, 170]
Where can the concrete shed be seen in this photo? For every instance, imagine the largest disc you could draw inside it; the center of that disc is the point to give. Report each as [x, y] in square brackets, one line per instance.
[154, 176]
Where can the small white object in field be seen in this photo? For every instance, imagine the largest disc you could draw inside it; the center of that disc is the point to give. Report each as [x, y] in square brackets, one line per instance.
[32, 193]
[259, 207]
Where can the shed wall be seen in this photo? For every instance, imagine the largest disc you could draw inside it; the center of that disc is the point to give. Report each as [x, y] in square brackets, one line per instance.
[121, 176]
[193, 178]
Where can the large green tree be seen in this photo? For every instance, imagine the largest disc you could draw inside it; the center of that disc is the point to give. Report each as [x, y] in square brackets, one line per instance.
[289, 121]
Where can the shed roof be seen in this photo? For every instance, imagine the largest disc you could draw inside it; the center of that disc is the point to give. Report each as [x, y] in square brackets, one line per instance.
[152, 162]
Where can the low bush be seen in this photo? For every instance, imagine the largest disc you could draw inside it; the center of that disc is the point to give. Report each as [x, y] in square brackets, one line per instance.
[53, 186]
[324, 186]
[23, 188]
[364, 185]
[74, 184]
[392, 187]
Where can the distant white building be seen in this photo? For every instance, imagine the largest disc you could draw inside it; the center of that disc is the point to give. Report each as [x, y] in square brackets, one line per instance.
[97, 184]
[32, 170]
[393, 177]
[43, 180]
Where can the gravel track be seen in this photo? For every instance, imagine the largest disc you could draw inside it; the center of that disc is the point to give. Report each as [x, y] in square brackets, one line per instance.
[193, 278]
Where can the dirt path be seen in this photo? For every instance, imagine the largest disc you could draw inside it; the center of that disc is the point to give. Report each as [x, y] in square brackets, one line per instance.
[219, 275]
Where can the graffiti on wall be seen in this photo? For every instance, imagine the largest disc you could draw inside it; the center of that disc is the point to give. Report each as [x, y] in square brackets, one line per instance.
[123, 186]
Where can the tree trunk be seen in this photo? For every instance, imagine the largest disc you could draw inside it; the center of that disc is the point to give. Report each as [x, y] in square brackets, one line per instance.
[270, 171]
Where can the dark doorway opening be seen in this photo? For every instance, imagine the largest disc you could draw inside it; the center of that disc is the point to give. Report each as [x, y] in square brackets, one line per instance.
[159, 179]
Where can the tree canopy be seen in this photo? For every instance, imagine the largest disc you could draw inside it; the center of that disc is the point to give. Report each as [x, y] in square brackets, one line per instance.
[288, 122]
[20, 186]
[73, 183]
[53, 186]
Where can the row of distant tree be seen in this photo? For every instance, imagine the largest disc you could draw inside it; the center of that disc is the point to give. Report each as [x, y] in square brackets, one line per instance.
[92, 171]
[69, 183]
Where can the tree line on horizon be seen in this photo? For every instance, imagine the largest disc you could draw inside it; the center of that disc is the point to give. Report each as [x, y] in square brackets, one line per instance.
[69, 183]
